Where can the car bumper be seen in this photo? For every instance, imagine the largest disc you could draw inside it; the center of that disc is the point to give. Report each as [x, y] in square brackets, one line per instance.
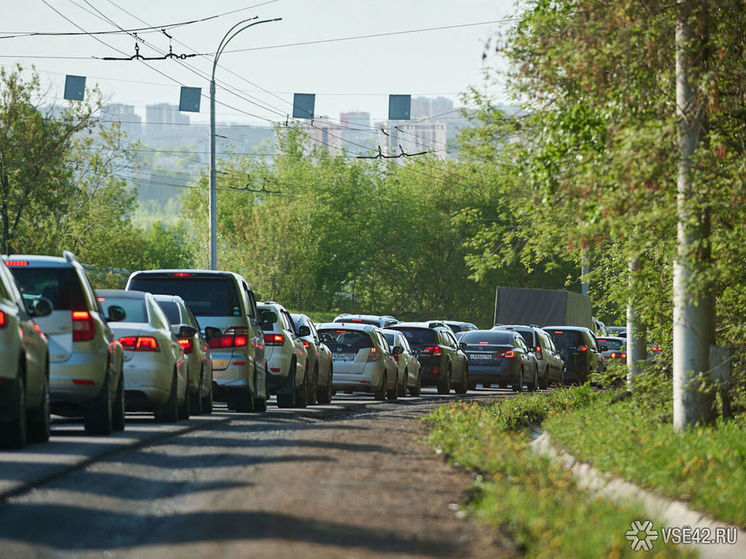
[77, 380]
[492, 374]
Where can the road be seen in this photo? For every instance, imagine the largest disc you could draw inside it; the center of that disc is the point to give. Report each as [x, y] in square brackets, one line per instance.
[352, 479]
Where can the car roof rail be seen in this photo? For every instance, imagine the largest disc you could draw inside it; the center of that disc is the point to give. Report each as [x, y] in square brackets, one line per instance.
[69, 256]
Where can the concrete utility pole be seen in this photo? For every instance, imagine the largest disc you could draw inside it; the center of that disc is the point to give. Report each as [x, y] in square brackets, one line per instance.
[227, 38]
[693, 317]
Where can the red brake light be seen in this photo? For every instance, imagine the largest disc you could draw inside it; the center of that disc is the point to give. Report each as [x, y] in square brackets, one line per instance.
[186, 344]
[583, 348]
[139, 343]
[181, 274]
[306, 344]
[559, 331]
[624, 355]
[3, 323]
[373, 355]
[509, 354]
[356, 320]
[484, 343]
[83, 326]
[274, 339]
[16, 262]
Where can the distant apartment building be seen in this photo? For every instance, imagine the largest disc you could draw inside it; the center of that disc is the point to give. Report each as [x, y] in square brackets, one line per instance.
[131, 122]
[164, 115]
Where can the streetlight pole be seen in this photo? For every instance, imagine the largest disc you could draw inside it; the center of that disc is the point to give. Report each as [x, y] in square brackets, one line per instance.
[227, 38]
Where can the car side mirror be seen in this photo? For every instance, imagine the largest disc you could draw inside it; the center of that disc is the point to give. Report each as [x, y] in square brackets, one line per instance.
[116, 314]
[41, 307]
[304, 331]
[187, 331]
[267, 317]
[212, 332]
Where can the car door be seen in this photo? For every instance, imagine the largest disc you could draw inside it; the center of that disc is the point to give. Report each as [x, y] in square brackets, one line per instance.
[460, 359]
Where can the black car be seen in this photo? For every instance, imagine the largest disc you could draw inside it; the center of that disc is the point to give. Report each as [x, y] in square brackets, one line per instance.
[457, 327]
[500, 357]
[579, 351]
[540, 344]
[442, 361]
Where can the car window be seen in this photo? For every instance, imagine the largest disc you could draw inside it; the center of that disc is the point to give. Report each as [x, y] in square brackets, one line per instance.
[4, 289]
[384, 344]
[611, 344]
[190, 320]
[520, 342]
[59, 285]
[159, 318]
[495, 337]
[172, 311]
[419, 336]
[566, 339]
[213, 296]
[134, 308]
[251, 306]
[340, 340]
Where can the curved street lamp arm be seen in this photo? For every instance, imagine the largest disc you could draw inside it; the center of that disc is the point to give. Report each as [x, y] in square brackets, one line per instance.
[227, 39]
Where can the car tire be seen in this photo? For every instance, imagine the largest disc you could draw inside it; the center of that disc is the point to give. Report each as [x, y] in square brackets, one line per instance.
[301, 392]
[417, 388]
[13, 433]
[444, 387]
[380, 392]
[403, 384]
[118, 413]
[324, 394]
[544, 383]
[185, 408]
[207, 401]
[195, 400]
[169, 412]
[260, 404]
[462, 387]
[393, 393]
[313, 386]
[98, 418]
[519, 386]
[288, 400]
[38, 420]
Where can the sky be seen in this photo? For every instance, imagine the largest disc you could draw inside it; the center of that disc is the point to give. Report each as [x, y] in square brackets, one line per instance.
[255, 83]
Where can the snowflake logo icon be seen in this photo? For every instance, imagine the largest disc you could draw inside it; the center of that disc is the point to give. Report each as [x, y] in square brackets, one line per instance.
[641, 535]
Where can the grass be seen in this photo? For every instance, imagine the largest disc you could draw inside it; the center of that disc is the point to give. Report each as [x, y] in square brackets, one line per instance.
[634, 439]
[536, 503]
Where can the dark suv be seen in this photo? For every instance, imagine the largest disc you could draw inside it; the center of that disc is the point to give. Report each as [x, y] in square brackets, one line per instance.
[578, 349]
[541, 345]
[443, 362]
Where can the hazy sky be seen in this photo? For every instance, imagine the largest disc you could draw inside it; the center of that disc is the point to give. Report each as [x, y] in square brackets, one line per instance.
[345, 75]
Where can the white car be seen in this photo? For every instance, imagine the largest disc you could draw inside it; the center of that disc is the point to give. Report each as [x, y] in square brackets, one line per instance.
[155, 369]
[409, 367]
[362, 359]
[24, 376]
[319, 357]
[290, 376]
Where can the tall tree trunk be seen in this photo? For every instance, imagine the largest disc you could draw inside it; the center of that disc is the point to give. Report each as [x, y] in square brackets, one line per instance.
[636, 338]
[693, 320]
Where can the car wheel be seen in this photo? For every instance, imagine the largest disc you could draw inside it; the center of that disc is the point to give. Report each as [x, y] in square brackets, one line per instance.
[417, 388]
[544, 383]
[519, 386]
[380, 392]
[324, 394]
[301, 392]
[288, 400]
[98, 418]
[403, 384]
[185, 408]
[393, 393]
[260, 404]
[444, 387]
[195, 399]
[38, 420]
[13, 433]
[169, 412]
[119, 406]
[463, 386]
[207, 401]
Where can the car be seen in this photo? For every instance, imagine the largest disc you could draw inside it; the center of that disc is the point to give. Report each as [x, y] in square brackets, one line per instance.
[617, 331]
[551, 366]
[599, 328]
[381, 321]
[501, 357]
[225, 307]
[290, 376]
[409, 367]
[457, 327]
[24, 377]
[443, 363]
[155, 368]
[196, 351]
[319, 356]
[85, 359]
[363, 361]
[578, 349]
[613, 349]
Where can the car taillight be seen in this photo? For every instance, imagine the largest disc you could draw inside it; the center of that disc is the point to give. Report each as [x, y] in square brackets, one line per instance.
[83, 326]
[433, 349]
[3, 322]
[306, 344]
[186, 344]
[139, 343]
[16, 262]
[507, 354]
[583, 348]
[229, 339]
[373, 354]
[538, 352]
[181, 274]
[274, 339]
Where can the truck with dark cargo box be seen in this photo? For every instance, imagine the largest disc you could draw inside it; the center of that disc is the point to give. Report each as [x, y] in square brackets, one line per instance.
[542, 307]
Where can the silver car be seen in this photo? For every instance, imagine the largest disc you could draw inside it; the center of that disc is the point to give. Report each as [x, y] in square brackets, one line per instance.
[85, 360]
[24, 377]
[155, 369]
[410, 377]
[362, 359]
[319, 357]
[289, 373]
[196, 351]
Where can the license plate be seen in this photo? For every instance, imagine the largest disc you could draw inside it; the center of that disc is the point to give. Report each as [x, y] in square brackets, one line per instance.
[477, 356]
[220, 363]
[344, 356]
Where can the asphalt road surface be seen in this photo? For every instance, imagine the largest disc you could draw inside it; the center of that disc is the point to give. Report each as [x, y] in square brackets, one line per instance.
[352, 479]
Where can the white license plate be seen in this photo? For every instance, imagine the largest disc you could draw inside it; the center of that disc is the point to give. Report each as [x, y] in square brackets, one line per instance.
[344, 356]
[477, 356]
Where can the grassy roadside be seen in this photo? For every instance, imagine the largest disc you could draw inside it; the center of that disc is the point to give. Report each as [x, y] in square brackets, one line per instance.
[634, 439]
[537, 504]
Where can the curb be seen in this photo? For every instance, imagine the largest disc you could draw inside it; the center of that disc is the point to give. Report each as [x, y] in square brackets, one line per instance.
[669, 511]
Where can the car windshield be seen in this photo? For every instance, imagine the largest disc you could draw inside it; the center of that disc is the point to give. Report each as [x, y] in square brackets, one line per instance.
[566, 339]
[59, 285]
[342, 341]
[493, 337]
[611, 344]
[213, 296]
[419, 336]
[135, 308]
[527, 335]
[172, 311]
